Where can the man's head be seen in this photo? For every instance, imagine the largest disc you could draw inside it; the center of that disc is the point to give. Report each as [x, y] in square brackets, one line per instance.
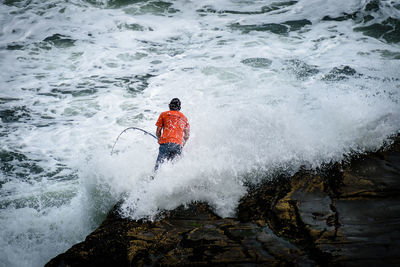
[175, 104]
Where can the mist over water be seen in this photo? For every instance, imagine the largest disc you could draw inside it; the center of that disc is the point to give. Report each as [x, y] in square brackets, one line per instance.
[267, 86]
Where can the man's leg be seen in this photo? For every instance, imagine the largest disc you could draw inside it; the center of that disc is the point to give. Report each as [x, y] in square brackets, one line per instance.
[162, 155]
[167, 151]
[174, 150]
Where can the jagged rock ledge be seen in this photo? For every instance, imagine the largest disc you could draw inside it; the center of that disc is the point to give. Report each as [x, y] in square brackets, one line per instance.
[344, 215]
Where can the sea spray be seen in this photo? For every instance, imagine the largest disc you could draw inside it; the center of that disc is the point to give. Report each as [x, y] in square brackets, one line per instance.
[267, 86]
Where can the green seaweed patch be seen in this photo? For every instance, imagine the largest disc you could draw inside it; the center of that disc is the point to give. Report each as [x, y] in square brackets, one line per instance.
[195, 224]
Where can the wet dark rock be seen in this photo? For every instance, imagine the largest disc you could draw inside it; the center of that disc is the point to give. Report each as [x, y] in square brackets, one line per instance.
[344, 214]
[368, 18]
[270, 27]
[278, 5]
[392, 36]
[375, 30]
[135, 84]
[372, 5]
[119, 3]
[4, 100]
[341, 73]
[296, 25]
[16, 164]
[154, 7]
[193, 235]
[15, 46]
[74, 92]
[15, 114]
[18, 3]
[59, 40]
[344, 17]
[158, 7]
[388, 30]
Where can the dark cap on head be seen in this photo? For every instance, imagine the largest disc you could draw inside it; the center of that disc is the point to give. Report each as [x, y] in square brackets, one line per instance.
[175, 104]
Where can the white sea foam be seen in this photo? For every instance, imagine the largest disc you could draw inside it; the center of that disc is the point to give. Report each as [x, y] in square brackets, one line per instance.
[248, 121]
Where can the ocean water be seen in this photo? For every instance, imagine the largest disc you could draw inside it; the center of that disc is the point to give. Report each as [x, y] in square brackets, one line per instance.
[268, 86]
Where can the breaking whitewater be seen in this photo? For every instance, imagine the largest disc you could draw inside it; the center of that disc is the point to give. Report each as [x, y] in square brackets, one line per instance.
[268, 87]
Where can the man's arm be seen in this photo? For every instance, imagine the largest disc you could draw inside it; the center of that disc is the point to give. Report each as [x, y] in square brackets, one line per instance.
[186, 134]
[158, 132]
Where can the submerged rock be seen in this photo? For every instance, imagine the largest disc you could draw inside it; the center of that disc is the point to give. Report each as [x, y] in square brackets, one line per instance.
[15, 114]
[283, 29]
[59, 40]
[343, 215]
[341, 73]
[270, 27]
[301, 69]
[385, 30]
[257, 62]
[296, 25]
[265, 9]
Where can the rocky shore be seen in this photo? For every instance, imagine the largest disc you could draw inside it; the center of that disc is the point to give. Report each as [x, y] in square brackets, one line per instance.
[341, 215]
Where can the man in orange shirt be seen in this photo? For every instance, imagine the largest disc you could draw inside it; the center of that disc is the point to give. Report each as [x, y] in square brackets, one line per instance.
[173, 131]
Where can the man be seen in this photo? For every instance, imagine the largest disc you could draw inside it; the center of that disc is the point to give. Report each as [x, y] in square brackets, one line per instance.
[173, 131]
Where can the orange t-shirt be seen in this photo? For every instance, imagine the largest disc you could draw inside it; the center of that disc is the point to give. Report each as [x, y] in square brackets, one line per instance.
[173, 123]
